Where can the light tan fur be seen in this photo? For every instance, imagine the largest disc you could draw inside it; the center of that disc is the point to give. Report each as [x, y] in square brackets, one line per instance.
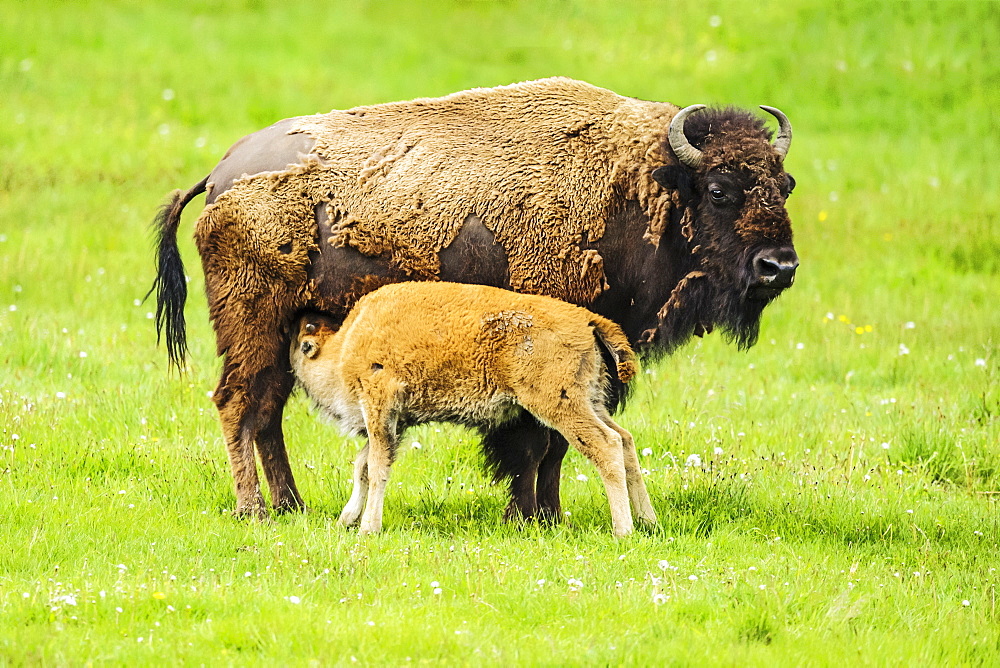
[427, 351]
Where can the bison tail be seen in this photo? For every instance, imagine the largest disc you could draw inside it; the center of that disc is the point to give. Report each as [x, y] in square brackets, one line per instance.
[170, 284]
[616, 343]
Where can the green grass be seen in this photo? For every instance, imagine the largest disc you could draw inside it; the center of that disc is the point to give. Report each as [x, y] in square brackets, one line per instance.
[846, 508]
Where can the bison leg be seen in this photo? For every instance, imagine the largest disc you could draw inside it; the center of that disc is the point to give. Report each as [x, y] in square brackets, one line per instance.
[251, 398]
[239, 447]
[513, 453]
[549, 469]
[278, 382]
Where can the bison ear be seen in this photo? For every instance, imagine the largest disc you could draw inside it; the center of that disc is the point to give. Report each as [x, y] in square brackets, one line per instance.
[673, 177]
[667, 176]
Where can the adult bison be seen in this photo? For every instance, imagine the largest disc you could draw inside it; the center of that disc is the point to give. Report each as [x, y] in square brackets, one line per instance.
[670, 222]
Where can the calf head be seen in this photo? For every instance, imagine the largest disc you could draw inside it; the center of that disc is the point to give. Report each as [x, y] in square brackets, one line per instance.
[731, 187]
[313, 331]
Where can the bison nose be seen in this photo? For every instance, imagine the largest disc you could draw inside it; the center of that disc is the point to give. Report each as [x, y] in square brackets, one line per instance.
[774, 268]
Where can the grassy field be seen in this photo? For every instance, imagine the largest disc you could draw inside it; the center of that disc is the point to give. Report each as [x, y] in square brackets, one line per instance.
[844, 510]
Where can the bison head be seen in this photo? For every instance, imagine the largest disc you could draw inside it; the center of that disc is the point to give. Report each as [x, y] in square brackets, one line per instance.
[731, 187]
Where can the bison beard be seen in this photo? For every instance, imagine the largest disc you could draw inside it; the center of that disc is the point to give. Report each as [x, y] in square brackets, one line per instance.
[553, 187]
[698, 307]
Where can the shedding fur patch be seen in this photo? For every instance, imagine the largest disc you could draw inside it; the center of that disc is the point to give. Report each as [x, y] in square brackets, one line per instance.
[539, 163]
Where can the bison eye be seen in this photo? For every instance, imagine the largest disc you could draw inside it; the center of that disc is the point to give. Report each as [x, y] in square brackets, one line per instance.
[717, 195]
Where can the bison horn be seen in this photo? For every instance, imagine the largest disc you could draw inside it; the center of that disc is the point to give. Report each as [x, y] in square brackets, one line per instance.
[784, 138]
[683, 149]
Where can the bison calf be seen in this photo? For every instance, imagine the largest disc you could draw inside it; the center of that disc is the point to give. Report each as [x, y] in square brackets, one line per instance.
[411, 353]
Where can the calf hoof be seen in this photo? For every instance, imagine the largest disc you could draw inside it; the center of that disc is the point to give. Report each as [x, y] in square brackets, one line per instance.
[649, 519]
[346, 521]
[369, 528]
[622, 530]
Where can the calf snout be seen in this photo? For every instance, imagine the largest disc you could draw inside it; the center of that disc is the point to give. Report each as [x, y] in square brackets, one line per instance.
[309, 348]
[772, 270]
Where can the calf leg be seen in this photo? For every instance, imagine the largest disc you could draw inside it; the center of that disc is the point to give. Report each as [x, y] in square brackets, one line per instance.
[381, 441]
[603, 446]
[359, 494]
[637, 493]
[379, 408]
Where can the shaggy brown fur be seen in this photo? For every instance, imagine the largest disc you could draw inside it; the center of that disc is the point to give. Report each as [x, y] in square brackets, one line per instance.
[399, 180]
[552, 187]
[416, 352]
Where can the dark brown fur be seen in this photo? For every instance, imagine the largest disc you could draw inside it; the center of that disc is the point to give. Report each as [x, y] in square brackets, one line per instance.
[687, 269]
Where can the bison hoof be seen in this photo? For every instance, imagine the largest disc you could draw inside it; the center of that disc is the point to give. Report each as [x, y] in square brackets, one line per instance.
[515, 514]
[549, 516]
[255, 512]
[543, 516]
[290, 506]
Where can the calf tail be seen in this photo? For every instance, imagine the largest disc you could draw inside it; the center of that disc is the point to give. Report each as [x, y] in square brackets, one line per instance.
[616, 343]
[170, 284]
